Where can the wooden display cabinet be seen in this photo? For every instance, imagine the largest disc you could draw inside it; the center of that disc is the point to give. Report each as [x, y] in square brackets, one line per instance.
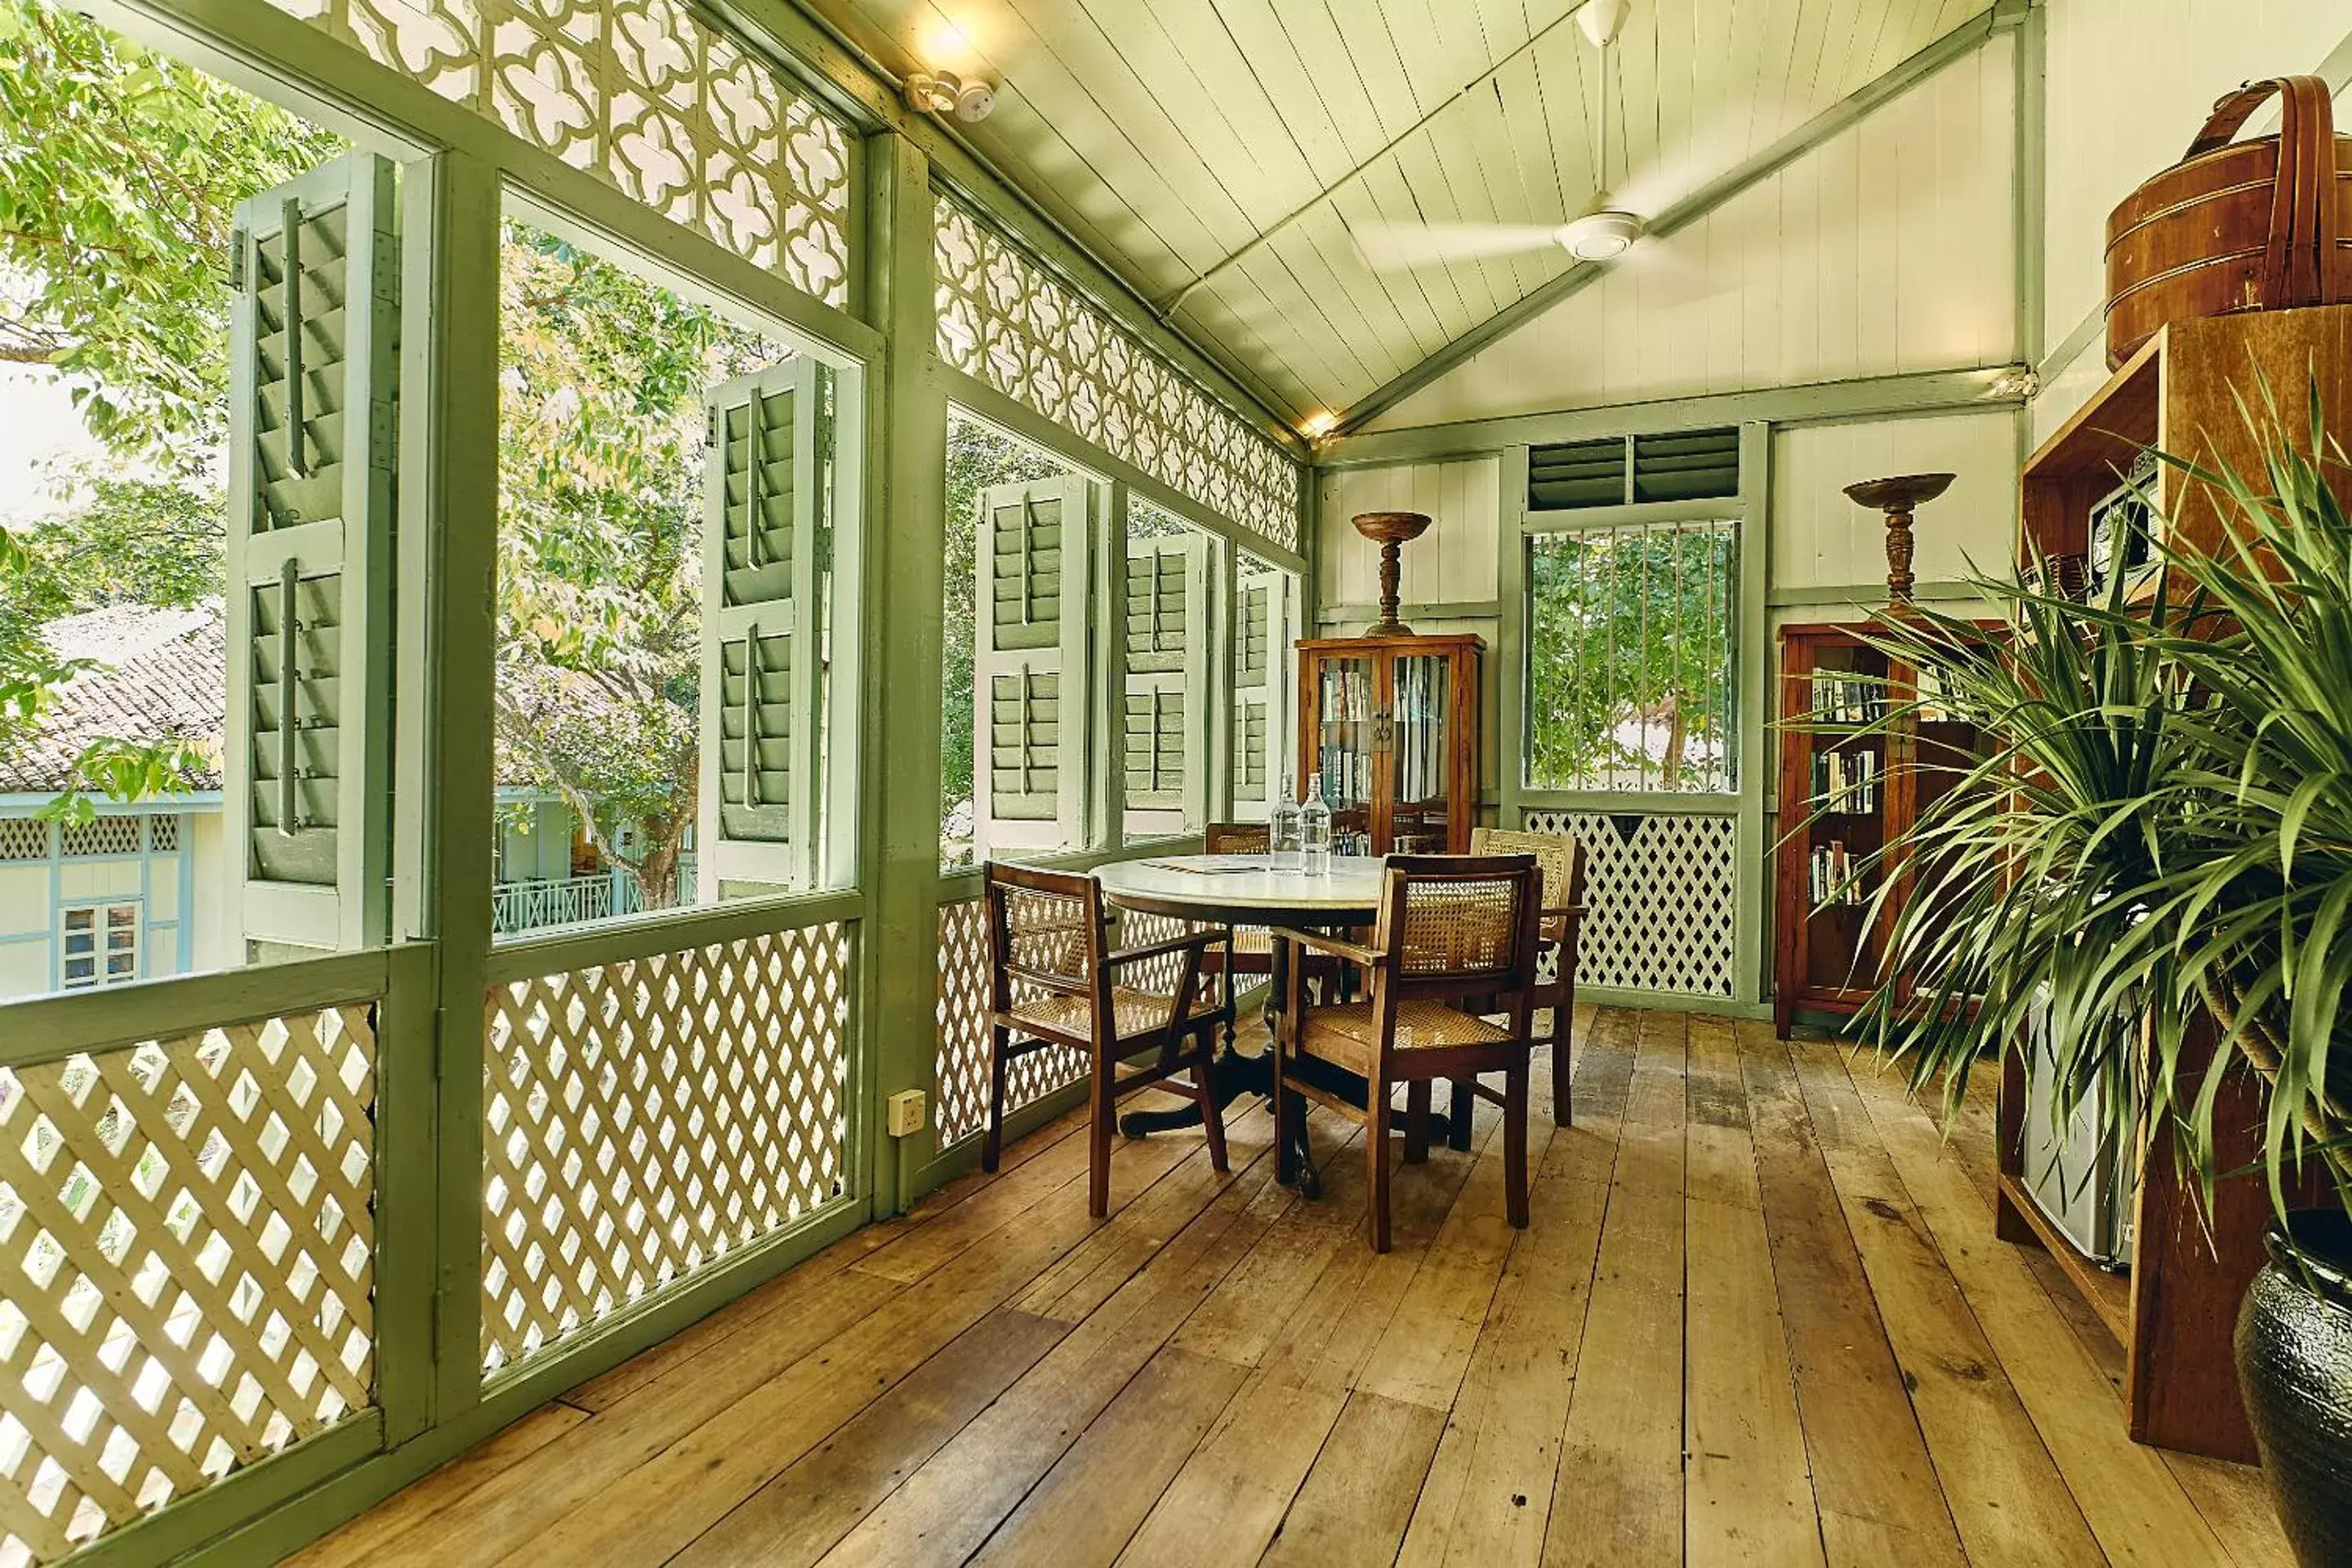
[1843, 795]
[1391, 723]
[2175, 1308]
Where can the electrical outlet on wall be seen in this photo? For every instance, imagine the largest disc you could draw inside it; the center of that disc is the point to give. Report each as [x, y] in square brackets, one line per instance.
[910, 1112]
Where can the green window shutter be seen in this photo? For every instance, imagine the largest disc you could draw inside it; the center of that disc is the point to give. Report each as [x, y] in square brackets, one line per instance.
[766, 487]
[1167, 594]
[1031, 665]
[314, 344]
[1266, 622]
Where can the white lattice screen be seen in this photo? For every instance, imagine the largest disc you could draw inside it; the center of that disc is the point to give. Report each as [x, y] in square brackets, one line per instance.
[961, 1077]
[1005, 319]
[187, 1254]
[1661, 899]
[645, 94]
[643, 1119]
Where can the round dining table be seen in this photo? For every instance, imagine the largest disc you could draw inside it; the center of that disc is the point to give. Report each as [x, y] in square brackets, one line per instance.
[1249, 890]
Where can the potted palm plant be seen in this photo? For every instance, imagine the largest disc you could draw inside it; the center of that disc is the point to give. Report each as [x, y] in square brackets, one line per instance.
[2159, 825]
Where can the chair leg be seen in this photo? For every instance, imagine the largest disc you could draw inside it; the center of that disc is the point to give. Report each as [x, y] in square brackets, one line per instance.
[1563, 1107]
[1416, 1122]
[991, 1140]
[1213, 1119]
[1376, 1164]
[1515, 1145]
[1457, 1122]
[1099, 1130]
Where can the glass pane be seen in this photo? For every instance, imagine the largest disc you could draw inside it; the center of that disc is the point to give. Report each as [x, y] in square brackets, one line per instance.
[1346, 750]
[657, 537]
[115, 474]
[982, 462]
[1420, 749]
[1265, 677]
[1630, 643]
[1167, 615]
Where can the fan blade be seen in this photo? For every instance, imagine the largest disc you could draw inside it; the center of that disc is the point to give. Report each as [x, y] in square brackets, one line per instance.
[1401, 246]
[1728, 136]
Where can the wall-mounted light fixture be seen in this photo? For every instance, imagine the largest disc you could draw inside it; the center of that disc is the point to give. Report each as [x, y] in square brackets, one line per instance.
[945, 93]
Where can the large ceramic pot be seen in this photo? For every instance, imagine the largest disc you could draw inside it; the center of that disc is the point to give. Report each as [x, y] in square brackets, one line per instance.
[2295, 1364]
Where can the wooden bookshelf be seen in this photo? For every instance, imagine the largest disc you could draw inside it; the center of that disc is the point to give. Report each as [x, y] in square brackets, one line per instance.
[1827, 955]
[2175, 1310]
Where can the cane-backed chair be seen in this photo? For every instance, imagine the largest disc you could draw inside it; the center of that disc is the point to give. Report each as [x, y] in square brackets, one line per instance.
[1453, 930]
[1561, 859]
[1053, 984]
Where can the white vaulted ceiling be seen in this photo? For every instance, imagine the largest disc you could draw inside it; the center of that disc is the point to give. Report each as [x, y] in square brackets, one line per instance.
[1220, 154]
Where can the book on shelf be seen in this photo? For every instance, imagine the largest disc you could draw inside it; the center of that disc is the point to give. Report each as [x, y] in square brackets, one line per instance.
[1832, 881]
[1930, 696]
[1846, 782]
[1844, 697]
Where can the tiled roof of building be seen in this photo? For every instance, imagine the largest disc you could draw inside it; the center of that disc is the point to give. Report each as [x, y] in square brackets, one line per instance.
[159, 674]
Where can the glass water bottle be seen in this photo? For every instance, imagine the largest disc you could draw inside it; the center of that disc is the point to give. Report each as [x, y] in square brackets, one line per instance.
[1314, 830]
[1282, 829]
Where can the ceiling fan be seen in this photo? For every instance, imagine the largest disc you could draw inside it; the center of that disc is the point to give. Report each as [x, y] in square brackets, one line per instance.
[1611, 225]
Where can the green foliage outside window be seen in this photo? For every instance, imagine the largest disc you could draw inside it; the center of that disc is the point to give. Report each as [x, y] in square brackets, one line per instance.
[1630, 659]
[979, 457]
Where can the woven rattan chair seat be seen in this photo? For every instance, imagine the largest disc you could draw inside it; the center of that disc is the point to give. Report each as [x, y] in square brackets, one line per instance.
[1072, 1017]
[1350, 1037]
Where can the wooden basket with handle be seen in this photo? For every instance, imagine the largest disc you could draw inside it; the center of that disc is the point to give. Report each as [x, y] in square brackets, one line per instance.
[2263, 225]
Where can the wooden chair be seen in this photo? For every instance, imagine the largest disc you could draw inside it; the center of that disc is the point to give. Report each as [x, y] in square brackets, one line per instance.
[1251, 951]
[1052, 984]
[1453, 930]
[1562, 862]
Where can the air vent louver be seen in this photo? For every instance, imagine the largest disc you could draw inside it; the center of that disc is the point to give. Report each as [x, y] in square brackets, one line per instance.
[1686, 465]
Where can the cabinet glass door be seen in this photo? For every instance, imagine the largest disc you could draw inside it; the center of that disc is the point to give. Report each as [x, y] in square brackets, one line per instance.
[1421, 754]
[1347, 714]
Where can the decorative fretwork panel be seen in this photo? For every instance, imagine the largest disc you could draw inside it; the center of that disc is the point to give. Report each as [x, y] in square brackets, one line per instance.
[102, 836]
[645, 94]
[1659, 899]
[187, 1254]
[644, 1118]
[24, 838]
[1005, 319]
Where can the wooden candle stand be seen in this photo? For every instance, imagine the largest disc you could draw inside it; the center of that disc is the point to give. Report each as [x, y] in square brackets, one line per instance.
[1899, 497]
[1389, 530]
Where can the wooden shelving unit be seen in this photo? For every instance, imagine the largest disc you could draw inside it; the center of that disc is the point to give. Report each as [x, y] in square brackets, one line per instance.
[2175, 1311]
[1828, 957]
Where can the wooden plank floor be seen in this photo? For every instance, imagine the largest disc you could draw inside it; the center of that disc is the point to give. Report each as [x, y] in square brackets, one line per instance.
[1759, 1317]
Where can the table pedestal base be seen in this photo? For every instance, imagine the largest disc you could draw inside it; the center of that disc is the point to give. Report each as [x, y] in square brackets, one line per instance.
[1235, 1074]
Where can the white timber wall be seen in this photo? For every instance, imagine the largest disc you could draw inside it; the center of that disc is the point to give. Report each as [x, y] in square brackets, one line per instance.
[1454, 562]
[2130, 82]
[1887, 250]
[1822, 541]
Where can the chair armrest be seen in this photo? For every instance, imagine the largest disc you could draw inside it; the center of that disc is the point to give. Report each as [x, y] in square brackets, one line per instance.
[1199, 939]
[1354, 953]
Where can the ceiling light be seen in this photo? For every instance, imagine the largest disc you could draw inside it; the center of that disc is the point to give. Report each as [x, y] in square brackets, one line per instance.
[1601, 235]
[933, 94]
[974, 102]
[1317, 425]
